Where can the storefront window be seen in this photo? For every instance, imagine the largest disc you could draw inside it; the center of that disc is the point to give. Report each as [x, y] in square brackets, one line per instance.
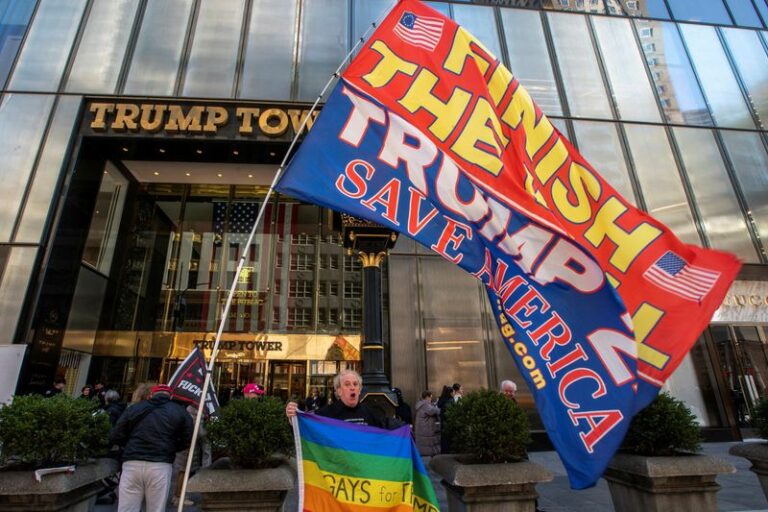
[22, 123]
[213, 56]
[599, 143]
[581, 74]
[678, 91]
[529, 58]
[155, 62]
[14, 17]
[101, 51]
[752, 63]
[723, 94]
[660, 180]
[628, 79]
[714, 194]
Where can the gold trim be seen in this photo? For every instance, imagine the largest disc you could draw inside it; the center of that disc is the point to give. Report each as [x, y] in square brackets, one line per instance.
[373, 347]
[371, 260]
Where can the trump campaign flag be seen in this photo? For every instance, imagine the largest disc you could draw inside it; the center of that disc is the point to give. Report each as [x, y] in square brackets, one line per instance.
[187, 383]
[356, 468]
[428, 134]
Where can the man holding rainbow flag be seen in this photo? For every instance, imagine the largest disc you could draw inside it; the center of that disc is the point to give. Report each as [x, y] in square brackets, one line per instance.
[428, 134]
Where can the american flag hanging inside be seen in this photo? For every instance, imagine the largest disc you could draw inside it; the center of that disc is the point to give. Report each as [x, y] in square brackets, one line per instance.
[242, 215]
[419, 31]
[673, 274]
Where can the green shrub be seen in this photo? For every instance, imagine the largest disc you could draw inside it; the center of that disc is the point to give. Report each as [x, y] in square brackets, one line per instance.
[488, 426]
[665, 427]
[38, 432]
[251, 432]
[760, 417]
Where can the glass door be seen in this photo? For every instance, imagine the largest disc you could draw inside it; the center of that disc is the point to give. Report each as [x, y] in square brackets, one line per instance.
[288, 380]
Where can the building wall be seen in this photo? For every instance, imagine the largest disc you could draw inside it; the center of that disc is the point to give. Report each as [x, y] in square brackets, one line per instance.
[668, 99]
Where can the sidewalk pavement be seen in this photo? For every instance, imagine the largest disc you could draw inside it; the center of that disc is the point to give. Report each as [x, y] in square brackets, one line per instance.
[740, 491]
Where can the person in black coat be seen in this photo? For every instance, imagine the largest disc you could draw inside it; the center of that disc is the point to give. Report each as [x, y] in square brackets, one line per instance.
[114, 408]
[403, 410]
[150, 432]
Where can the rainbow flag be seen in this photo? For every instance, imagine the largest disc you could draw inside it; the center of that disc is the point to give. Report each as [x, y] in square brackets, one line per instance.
[355, 468]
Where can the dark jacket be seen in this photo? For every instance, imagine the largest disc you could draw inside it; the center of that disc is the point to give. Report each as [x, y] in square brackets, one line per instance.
[361, 414]
[153, 430]
[115, 410]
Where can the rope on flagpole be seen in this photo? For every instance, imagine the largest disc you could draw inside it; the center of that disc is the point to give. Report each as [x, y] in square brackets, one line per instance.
[243, 258]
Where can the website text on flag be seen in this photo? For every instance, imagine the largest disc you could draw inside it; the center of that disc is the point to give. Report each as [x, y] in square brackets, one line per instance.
[445, 146]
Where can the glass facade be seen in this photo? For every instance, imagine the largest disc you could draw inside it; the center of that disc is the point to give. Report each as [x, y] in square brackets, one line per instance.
[667, 99]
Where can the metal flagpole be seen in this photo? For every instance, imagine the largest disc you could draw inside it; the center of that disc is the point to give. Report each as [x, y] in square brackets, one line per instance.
[244, 256]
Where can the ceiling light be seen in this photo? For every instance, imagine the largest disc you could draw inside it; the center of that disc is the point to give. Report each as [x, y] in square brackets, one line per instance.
[188, 174]
[219, 175]
[125, 149]
[272, 153]
[199, 151]
[250, 175]
[235, 152]
[156, 173]
[161, 150]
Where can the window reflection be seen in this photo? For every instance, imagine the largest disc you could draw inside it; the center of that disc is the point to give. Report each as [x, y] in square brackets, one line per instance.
[156, 58]
[601, 146]
[47, 46]
[13, 288]
[679, 93]
[581, 75]
[107, 213]
[762, 8]
[323, 39]
[36, 209]
[212, 59]
[22, 122]
[624, 66]
[102, 48]
[752, 63]
[709, 11]
[712, 189]
[720, 87]
[744, 13]
[268, 74]
[748, 155]
[645, 8]
[480, 22]
[529, 58]
[660, 180]
[366, 13]
[14, 17]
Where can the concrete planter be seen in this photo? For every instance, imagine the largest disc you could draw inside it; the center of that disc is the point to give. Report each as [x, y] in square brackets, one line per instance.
[70, 492]
[757, 454]
[242, 490]
[489, 487]
[661, 484]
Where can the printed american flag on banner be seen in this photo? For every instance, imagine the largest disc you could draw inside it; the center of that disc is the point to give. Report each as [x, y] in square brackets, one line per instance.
[673, 274]
[419, 30]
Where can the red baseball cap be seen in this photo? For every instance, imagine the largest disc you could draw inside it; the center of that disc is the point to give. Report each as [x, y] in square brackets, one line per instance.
[161, 388]
[253, 388]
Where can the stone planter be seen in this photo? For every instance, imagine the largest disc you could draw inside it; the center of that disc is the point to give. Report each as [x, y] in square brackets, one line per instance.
[245, 490]
[70, 492]
[661, 484]
[489, 487]
[757, 454]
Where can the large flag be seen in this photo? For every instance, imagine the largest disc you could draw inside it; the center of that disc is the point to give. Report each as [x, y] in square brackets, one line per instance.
[355, 468]
[428, 134]
[187, 383]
